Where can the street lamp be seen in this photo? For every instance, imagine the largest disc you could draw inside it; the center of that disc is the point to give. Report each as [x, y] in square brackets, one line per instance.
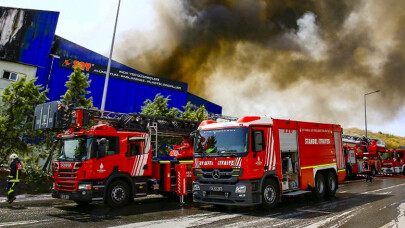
[365, 108]
[109, 62]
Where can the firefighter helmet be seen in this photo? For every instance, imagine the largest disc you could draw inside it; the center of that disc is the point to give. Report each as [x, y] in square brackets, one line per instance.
[365, 158]
[13, 156]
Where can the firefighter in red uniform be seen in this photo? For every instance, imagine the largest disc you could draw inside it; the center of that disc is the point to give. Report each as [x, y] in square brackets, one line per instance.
[367, 169]
[13, 177]
[372, 149]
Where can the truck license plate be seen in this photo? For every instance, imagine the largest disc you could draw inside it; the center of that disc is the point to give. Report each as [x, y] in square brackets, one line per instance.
[216, 189]
[64, 196]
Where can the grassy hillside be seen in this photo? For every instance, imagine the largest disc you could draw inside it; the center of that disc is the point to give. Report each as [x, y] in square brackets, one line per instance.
[391, 141]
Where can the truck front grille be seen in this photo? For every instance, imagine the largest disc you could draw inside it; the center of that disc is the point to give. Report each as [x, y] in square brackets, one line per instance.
[66, 180]
[224, 176]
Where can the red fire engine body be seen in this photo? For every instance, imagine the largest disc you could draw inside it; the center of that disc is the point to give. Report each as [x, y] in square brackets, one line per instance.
[256, 160]
[355, 150]
[113, 165]
[394, 162]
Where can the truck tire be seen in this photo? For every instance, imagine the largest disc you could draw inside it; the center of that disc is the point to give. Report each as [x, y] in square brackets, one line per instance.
[118, 194]
[270, 194]
[331, 184]
[319, 189]
[83, 202]
[403, 170]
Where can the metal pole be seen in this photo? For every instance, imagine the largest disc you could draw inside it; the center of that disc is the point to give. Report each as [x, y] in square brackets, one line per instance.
[365, 108]
[109, 62]
[365, 113]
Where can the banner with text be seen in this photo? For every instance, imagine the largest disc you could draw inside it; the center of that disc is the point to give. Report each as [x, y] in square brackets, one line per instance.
[99, 69]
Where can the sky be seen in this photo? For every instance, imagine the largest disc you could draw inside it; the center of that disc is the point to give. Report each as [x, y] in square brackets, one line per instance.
[90, 23]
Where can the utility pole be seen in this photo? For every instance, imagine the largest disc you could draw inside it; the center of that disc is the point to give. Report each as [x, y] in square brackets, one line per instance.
[109, 61]
[365, 108]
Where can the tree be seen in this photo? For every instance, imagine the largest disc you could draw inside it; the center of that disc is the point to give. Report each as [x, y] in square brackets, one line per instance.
[19, 101]
[76, 92]
[188, 113]
[159, 107]
[197, 115]
[200, 114]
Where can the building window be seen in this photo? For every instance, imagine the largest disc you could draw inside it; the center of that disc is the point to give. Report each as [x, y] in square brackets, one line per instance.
[13, 76]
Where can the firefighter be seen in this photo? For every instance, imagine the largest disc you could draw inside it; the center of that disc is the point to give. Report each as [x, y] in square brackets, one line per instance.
[367, 169]
[13, 177]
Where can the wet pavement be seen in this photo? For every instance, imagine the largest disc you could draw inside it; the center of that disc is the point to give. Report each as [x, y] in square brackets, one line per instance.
[356, 204]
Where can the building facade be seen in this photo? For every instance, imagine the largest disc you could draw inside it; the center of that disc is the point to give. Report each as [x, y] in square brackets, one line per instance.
[29, 47]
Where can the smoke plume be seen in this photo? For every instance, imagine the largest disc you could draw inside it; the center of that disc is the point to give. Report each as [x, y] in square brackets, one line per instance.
[308, 60]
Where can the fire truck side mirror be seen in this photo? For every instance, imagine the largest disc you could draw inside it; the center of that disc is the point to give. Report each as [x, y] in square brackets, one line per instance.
[257, 140]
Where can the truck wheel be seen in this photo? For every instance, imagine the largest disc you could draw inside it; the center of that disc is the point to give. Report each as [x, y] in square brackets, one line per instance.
[118, 194]
[270, 194]
[403, 170]
[319, 189]
[83, 202]
[331, 184]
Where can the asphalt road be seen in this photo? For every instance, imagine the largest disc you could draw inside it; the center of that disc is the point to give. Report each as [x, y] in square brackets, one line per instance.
[358, 204]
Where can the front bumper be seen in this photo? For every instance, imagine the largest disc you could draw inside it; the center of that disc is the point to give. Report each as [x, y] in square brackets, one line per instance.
[393, 170]
[387, 170]
[224, 194]
[84, 195]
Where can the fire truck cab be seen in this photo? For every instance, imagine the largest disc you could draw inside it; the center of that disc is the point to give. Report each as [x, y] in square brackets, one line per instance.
[394, 162]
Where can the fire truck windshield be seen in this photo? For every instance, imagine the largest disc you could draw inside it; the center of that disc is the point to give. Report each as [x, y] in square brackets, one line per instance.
[221, 142]
[75, 149]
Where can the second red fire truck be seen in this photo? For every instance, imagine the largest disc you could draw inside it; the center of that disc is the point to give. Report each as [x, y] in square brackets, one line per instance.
[256, 160]
[356, 149]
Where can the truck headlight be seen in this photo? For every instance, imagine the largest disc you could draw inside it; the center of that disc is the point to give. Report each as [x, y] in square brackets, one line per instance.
[240, 189]
[196, 187]
[85, 186]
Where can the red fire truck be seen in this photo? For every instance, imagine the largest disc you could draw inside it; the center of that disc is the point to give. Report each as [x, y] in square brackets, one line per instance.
[114, 162]
[256, 160]
[394, 161]
[356, 148]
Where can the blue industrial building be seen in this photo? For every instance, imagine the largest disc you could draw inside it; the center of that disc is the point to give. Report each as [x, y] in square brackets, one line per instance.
[28, 44]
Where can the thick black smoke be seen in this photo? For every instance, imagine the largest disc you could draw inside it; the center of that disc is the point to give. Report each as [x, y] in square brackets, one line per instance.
[310, 60]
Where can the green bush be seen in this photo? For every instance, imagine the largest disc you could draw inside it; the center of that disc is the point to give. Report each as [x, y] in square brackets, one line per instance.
[37, 178]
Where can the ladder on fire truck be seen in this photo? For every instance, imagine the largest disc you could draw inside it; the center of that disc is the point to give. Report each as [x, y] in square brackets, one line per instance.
[53, 115]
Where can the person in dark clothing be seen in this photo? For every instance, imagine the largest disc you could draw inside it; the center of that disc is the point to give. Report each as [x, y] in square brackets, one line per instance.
[13, 177]
[365, 143]
[367, 169]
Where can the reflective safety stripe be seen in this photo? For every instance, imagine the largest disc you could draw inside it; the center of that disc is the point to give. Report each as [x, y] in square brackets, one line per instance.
[341, 170]
[316, 166]
[164, 162]
[14, 180]
[10, 176]
[11, 189]
[186, 161]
